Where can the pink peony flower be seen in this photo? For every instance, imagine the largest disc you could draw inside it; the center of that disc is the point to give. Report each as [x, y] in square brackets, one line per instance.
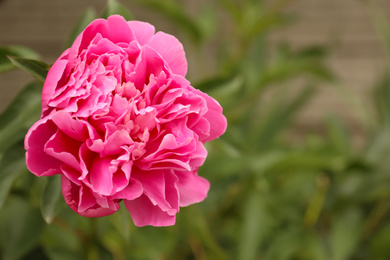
[120, 122]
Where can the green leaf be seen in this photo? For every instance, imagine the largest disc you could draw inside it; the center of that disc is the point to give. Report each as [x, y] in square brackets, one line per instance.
[12, 165]
[63, 254]
[380, 243]
[36, 68]
[264, 131]
[381, 24]
[23, 111]
[345, 234]
[206, 21]
[114, 7]
[51, 201]
[173, 11]
[381, 99]
[338, 135]
[14, 51]
[256, 225]
[299, 161]
[223, 90]
[20, 228]
[86, 18]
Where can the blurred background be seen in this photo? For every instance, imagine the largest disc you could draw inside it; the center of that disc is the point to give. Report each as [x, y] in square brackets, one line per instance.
[303, 170]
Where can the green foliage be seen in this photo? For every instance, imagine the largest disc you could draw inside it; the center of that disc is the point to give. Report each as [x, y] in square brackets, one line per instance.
[36, 68]
[85, 18]
[272, 197]
[14, 51]
[175, 12]
[114, 7]
[17, 118]
[51, 201]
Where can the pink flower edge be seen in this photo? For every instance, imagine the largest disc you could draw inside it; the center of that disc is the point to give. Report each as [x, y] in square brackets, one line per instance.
[120, 122]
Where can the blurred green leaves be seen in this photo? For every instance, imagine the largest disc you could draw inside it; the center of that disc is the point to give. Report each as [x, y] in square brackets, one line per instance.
[17, 118]
[20, 227]
[36, 68]
[114, 7]
[14, 51]
[174, 11]
[82, 22]
[52, 199]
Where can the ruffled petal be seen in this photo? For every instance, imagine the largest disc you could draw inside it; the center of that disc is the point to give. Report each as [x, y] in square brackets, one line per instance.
[217, 120]
[171, 50]
[142, 31]
[82, 201]
[37, 160]
[54, 75]
[144, 213]
[115, 29]
[192, 188]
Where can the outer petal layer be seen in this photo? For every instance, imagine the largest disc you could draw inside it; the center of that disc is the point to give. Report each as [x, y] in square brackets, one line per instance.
[120, 122]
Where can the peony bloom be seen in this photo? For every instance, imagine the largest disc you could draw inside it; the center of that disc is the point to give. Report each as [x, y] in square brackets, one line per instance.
[120, 122]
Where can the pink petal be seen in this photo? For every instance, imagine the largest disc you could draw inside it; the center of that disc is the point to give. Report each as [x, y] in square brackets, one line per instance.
[64, 148]
[75, 128]
[159, 187]
[101, 175]
[149, 62]
[142, 31]
[144, 213]
[153, 183]
[132, 191]
[115, 29]
[53, 76]
[171, 192]
[192, 188]
[74, 194]
[171, 50]
[37, 160]
[112, 145]
[72, 174]
[217, 120]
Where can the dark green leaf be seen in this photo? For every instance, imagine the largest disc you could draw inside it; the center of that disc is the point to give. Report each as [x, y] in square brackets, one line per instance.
[12, 165]
[345, 234]
[313, 52]
[20, 228]
[173, 11]
[114, 7]
[36, 68]
[52, 199]
[298, 161]
[256, 226]
[14, 51]
[86, 17]
[338, 135]
[23, 111]
[63, 254]
[264, 131]
[381, 99]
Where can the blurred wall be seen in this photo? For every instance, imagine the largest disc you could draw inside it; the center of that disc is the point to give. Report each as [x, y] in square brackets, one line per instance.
[357, 56]
[357, 53]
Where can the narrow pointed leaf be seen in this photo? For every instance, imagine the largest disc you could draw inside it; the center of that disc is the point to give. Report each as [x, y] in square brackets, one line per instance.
[36, 68]
[22, 227]
[12, 165]
[87, 17]
[14, 51]
[255, 228]
[173, 11]
[114, 7]
[264, 132]
[52, 200]
[20, 115]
